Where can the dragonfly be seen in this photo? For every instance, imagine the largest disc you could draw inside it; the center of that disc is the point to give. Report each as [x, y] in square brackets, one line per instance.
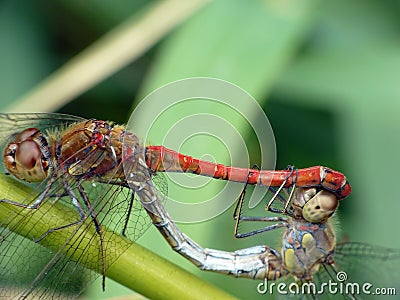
[96, 168]
[310, 263]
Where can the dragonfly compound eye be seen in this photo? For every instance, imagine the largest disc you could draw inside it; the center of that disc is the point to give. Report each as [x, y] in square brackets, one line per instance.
[320, 207]
[23, 158]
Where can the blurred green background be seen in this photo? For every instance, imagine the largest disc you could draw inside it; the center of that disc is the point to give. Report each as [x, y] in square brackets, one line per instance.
[327, 74]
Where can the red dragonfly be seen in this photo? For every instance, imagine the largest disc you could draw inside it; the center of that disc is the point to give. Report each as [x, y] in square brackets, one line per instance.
[89, 166]
[161, 159]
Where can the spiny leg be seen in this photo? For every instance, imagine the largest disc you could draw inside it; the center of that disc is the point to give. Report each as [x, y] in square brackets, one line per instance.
[237, 215]
[132, 198]
[78, 207]
[278, 191]
[98, 230]
[39, 199]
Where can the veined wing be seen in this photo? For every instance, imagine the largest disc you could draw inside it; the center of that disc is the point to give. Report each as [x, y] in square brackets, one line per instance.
[108, 206]
[54, 267]
[361, 271]
[370, 264]
[16, 121]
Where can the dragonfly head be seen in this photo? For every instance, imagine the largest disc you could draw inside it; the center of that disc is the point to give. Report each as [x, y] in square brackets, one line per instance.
[24, 158]
[315, 206]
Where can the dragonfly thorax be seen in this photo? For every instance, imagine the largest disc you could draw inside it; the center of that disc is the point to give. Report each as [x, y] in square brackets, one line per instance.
[306, 246]
[27, 156]
[309, 239]
[90, 150]
[94, 149]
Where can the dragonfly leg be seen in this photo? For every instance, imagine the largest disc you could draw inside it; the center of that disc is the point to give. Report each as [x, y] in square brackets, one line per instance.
[132, 198]
[257, 231]
[39, 199]
[281, 198]
[82, 214]
[55, 229]
[79, 208]
[131, 202]
[278, 191]
[237, 215]
[98, 230]
[284, 211]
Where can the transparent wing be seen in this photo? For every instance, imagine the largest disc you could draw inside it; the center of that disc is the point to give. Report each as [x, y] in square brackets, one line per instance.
[31, 269]
[21, 263]
[361, 271]
[14, 122]
[55, 269]
[25, 120]
[370, 264]
[21, 259]
[118, 209]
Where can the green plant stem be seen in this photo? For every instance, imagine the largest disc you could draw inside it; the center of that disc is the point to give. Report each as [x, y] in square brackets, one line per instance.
[110, 53]
[136, 268]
